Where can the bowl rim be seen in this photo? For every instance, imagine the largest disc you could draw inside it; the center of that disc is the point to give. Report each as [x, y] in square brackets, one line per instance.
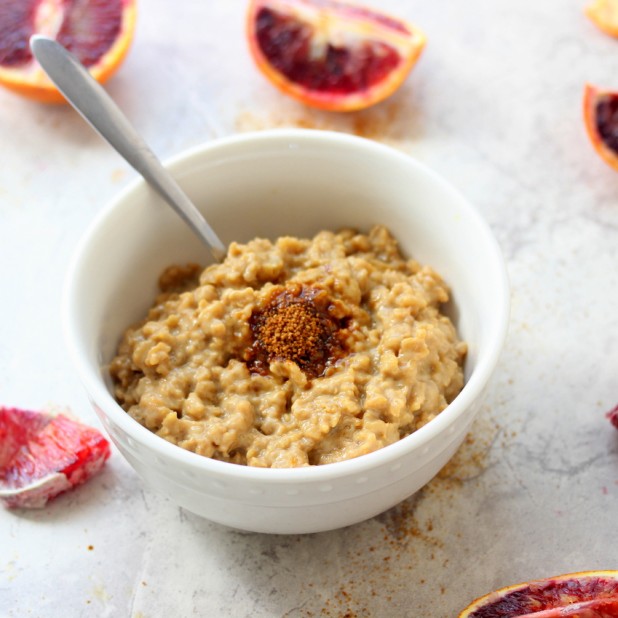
[99, 395]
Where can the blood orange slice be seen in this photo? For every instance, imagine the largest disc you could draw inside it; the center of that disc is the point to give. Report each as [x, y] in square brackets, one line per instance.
[330, 54]
[601, 118]
[591, 594]
[612, 415]
[98, 32]
[604, 15]
[42, 456]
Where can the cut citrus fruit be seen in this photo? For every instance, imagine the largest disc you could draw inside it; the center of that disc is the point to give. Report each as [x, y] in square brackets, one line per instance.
[601, 118]
[612, 415]
[591, 594]
[604, 15]
[98, 32]
[42, 456]
[330, 54]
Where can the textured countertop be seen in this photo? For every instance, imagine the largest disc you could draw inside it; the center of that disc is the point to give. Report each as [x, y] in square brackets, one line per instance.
[494, 105]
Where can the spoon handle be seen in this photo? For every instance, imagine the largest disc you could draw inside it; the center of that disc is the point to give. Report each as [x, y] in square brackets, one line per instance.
[89, 98]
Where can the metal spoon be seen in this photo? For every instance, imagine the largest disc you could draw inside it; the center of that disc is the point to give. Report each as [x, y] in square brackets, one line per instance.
[89, 98]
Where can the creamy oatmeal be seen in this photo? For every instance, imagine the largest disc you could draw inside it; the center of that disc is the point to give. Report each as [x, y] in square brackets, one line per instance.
[293, 353]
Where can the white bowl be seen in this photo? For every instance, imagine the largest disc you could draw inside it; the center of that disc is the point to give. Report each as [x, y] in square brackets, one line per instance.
[270, 184]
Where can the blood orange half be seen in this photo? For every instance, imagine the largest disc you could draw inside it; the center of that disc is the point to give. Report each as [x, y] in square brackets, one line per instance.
[592, 594]
[330, 54]
[601, 118]
[98, 32]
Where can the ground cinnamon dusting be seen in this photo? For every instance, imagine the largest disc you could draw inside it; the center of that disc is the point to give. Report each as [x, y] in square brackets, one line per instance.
[389, 122]
[408, 537]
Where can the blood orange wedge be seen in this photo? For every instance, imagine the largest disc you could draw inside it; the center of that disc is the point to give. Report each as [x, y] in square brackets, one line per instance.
[592, 594]
[604, 15]
[601, 118]
[330, 54]
[42, 456]
[98, 32]
[612, 415]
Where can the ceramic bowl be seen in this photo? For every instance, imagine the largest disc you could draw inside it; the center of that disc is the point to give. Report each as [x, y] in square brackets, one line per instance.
[272, 183]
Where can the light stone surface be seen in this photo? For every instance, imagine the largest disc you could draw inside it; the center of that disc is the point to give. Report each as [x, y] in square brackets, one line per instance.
[494, 105]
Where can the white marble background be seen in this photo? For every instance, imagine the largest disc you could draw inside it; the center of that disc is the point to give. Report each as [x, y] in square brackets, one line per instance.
[494, 105]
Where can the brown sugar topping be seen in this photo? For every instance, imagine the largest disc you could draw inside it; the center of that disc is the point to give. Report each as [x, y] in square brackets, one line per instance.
[297, 323]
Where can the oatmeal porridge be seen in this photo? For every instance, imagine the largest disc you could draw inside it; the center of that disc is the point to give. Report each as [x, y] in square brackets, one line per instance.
[293, 353]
